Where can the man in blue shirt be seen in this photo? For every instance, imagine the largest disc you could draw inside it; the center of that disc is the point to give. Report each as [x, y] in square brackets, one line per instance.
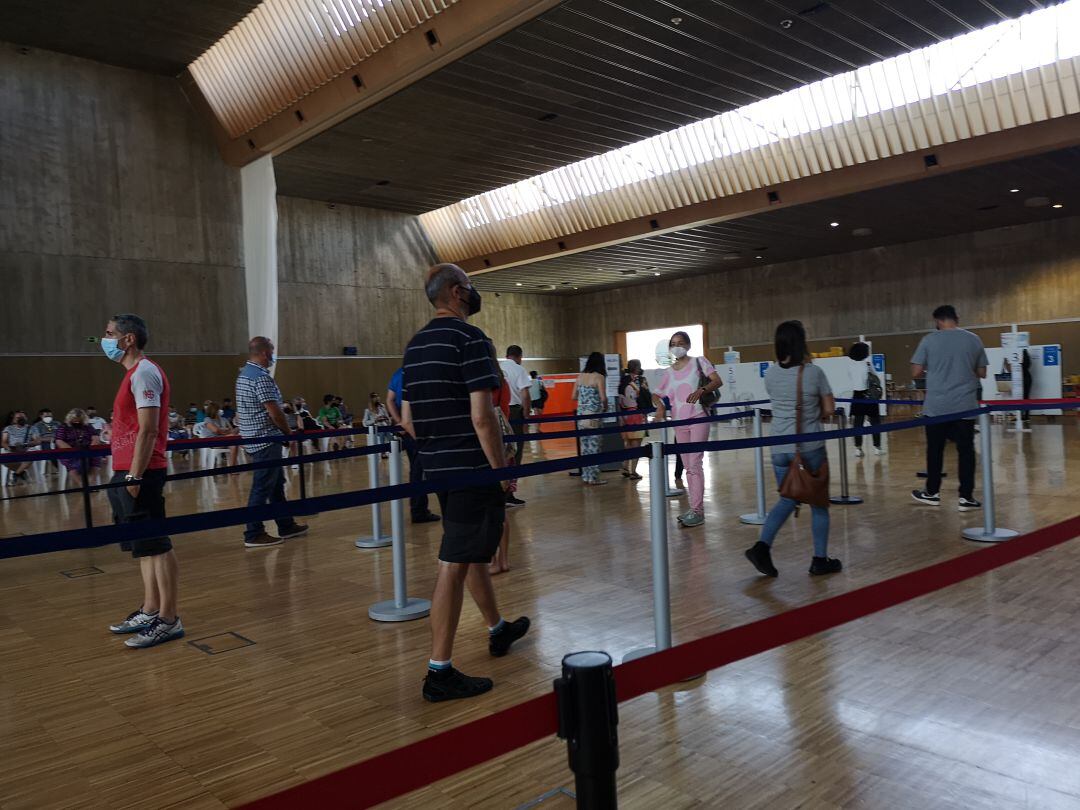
[421, 513]
[259, 414]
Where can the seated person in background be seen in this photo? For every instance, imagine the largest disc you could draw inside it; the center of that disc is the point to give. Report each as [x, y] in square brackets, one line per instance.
[77, 434]
[95, 421]
[329, 417]
[105, 434]
[343, 409]
[227, 409]
[375, 413]
[214, 425]
[18, 437]
[45, 432]
[177, 429]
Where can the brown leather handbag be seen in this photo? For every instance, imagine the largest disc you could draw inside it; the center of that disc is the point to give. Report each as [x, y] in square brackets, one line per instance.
[799, 483]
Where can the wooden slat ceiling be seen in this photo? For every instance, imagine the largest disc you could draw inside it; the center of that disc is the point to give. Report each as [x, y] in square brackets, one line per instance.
[153, 37]
[593, 75]
[959, 202]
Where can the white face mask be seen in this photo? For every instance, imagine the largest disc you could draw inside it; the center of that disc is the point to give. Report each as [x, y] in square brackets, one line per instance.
[678, 352]
[47, 420]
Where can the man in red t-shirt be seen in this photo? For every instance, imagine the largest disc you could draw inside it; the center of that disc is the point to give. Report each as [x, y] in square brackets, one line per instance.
[140, 429]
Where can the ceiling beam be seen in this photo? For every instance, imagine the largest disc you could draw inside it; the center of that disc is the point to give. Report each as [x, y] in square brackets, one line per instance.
[1030, 139]
[455, 32]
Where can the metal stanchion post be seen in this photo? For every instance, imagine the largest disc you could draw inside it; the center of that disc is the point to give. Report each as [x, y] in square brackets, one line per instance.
[588, 721]
[989, 532]
[658, 525]
[376, 539]
[845, 498]
[88, 514]
[401, 608]
[757, 518]
[669, 491]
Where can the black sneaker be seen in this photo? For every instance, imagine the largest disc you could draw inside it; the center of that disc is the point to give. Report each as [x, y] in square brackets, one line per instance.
[513, 500]
[430, 517]
[296, 530]
[969, 505]
[922, 496]
[450, 684]
[499, 643]
[825, 565]
[760, 556]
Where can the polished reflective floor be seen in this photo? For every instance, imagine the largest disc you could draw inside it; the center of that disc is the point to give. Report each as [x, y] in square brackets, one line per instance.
[967, 698]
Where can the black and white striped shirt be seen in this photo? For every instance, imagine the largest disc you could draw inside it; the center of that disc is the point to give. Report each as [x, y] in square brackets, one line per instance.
[444, 362]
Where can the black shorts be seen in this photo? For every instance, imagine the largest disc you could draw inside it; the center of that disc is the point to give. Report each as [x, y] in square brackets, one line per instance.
[473, 521]
[150, 505]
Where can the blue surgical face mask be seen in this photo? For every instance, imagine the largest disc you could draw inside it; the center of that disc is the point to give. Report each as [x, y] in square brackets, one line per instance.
[273, 359]
[111, 349]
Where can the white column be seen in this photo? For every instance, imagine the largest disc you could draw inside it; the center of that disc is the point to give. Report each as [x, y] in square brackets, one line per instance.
[259, 199]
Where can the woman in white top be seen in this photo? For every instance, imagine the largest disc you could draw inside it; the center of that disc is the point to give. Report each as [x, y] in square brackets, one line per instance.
[860, 370]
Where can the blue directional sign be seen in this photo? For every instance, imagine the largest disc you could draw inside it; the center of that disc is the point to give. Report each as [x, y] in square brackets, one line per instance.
[1051, 355]
[879, 363]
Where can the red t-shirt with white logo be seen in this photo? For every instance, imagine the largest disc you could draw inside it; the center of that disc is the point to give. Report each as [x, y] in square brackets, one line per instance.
[144, 386]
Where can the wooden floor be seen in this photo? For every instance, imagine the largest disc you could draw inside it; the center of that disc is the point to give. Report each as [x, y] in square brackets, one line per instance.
[968, 698]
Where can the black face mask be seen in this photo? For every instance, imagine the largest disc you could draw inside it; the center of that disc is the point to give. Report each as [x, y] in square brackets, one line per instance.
[20, 420]
[473, 302]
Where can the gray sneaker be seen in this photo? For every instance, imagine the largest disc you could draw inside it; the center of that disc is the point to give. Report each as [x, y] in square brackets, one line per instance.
[157, 632]
[134, 622]
[692, 519]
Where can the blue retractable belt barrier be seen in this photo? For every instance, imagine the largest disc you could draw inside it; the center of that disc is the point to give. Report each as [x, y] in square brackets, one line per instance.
[600, 431]
[116, 533]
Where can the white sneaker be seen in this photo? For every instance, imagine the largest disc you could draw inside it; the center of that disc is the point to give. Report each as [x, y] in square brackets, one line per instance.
[134, 622]
[878, 451]
[859, 452]
[157, 632]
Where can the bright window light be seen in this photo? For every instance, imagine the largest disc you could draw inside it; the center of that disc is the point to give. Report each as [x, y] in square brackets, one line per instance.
[1041, 38]
[642, 345]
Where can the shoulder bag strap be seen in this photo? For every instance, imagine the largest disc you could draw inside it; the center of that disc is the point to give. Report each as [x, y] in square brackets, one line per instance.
[798, 406]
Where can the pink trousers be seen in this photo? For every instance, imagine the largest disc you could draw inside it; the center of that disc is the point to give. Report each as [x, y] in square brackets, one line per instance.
[695, 476]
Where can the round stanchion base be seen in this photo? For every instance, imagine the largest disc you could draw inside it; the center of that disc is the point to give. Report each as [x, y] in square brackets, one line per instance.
[374, 542]
[633, 655]
[752, 519]
[846, 500]
[388, 611]
[980, 535]
[675, 493]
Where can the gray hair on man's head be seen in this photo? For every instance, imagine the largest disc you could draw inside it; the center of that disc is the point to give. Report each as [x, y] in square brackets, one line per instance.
[130, 324]
[440, 278]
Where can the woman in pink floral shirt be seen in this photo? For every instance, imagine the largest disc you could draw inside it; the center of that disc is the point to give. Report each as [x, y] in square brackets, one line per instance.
[682, 385]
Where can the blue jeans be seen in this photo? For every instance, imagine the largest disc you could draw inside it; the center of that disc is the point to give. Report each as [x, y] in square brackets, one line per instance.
[785, 506]
[267, 486]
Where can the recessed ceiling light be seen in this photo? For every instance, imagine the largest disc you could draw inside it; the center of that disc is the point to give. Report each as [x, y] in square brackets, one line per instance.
[834, 224]
[676, 20]
[759, 257]
[518, 284]
[1057, 205]
[1013, 190]
[656, 274]
[702, 250]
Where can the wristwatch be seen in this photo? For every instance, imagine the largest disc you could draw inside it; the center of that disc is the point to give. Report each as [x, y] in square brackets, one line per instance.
[131, 479]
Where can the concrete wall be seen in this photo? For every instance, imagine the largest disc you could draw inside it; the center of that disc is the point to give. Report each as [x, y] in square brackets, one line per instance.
[1017, 274]
[112, 198]
[353, 276]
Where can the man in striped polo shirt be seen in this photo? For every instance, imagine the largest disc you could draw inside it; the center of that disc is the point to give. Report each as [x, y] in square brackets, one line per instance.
[259, 415]
[447, 406]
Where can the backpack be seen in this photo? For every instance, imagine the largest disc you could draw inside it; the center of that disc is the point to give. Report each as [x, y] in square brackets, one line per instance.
[873, 385]
[644, 397]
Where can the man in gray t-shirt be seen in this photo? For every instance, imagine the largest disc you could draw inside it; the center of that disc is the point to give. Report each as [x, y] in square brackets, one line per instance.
[954, 362]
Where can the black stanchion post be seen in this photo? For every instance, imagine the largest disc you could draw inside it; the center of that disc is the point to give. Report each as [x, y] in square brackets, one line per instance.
[588, 721]
[84, 467]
